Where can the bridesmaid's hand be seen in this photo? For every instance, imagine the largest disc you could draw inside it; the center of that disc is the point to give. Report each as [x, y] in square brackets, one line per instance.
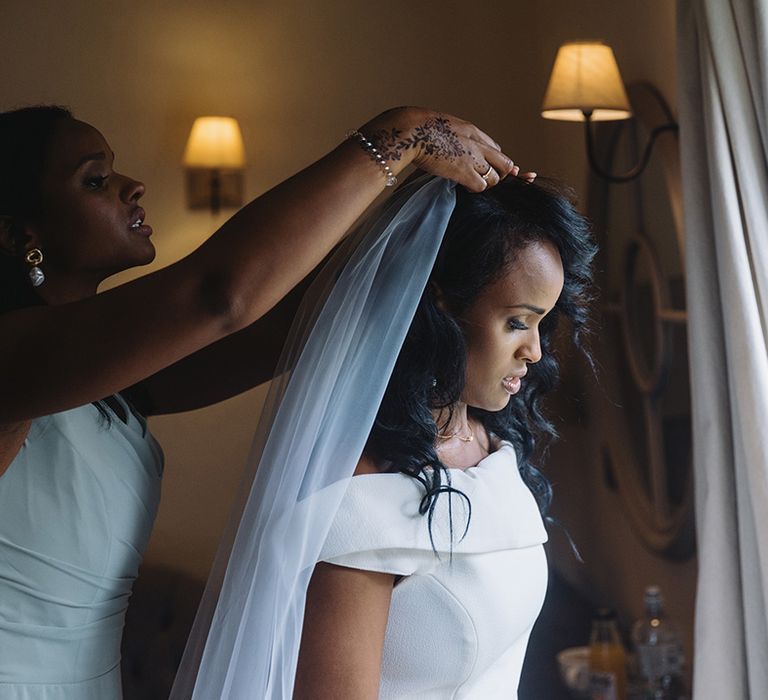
[442, 145]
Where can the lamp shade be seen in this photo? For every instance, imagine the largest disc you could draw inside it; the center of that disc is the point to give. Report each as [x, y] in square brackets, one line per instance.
[215, 142]
[585, 78]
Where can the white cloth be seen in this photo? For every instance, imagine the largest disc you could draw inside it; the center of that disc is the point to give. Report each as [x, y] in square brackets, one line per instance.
[723, 59]
[458, 626]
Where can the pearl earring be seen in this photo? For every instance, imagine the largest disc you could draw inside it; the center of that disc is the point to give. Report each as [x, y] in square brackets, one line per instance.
[34, 257]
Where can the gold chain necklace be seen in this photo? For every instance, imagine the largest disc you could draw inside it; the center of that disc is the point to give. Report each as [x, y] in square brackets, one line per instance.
[463, 438]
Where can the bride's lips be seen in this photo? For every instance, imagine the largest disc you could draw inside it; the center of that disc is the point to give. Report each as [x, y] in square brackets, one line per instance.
[512, 384]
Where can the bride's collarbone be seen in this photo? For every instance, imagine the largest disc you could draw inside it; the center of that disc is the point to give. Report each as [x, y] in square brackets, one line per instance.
[462, 456]
[459, 453]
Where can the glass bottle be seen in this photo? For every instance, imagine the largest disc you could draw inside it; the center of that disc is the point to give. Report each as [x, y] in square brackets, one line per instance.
[659, 651]
[607, 659]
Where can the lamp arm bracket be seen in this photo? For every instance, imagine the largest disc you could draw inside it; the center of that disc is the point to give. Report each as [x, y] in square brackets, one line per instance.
[633, 172]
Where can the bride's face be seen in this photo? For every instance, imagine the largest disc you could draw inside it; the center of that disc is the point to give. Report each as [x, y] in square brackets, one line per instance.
[501, 326]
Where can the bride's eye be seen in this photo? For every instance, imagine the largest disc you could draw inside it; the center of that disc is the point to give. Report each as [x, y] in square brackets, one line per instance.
[516, 325]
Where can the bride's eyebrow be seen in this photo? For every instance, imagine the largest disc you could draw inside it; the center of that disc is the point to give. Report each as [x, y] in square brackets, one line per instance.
[534, 309]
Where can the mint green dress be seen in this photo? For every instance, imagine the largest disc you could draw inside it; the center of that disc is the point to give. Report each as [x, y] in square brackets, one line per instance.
[77, 505]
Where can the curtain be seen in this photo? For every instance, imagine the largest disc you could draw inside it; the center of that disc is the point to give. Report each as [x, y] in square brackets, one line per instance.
[722, 65]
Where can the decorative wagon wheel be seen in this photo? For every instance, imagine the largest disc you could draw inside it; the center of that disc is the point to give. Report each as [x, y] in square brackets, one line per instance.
[642, 405]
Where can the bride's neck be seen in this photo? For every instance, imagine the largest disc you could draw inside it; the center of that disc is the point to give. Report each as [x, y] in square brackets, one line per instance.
[453, 421]
[461, 441]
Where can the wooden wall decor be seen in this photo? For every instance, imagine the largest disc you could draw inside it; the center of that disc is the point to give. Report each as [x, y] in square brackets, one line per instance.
[641, 399]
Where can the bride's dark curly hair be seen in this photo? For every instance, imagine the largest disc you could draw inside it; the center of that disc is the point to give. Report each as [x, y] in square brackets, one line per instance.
[484, 234]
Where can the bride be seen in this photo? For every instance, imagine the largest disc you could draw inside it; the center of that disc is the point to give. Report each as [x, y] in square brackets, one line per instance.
[391, 543]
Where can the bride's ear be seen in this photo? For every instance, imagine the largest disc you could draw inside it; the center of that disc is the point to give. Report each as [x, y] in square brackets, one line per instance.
[437, 293]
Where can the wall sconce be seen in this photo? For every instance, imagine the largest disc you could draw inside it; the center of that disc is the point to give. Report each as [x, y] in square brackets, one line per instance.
[586, 85]
[214, 159]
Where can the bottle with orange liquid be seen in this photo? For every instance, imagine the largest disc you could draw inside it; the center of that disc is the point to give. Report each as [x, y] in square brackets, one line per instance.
[607, 659]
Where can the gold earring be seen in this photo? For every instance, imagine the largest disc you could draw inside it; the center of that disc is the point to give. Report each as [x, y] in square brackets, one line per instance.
[34, 257]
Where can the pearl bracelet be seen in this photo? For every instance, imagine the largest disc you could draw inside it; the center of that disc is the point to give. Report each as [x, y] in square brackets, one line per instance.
[372, 151]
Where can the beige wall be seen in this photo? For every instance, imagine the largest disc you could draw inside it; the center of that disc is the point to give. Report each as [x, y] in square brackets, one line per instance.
[298, 73]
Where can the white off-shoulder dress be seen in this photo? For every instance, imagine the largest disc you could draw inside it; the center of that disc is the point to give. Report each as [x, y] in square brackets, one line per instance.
[458, 624]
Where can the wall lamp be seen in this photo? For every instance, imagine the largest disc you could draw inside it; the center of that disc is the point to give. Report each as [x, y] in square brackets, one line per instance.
[586, 86]
[214, 159]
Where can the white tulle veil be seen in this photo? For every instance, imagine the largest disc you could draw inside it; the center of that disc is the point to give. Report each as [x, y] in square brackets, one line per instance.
[315, 422]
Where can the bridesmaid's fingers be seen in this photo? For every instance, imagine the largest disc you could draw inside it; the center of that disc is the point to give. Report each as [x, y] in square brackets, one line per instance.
[500, 162]
[478, 135]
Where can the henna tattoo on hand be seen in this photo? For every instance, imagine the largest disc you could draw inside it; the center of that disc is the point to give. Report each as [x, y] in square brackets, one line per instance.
[434, 137]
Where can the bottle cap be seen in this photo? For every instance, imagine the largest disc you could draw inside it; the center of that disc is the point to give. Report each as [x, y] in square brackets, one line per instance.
[605, 614]
[653, 594]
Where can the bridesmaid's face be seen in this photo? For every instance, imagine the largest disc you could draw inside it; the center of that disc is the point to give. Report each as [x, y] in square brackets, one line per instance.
[501, 326]
[90, 224]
